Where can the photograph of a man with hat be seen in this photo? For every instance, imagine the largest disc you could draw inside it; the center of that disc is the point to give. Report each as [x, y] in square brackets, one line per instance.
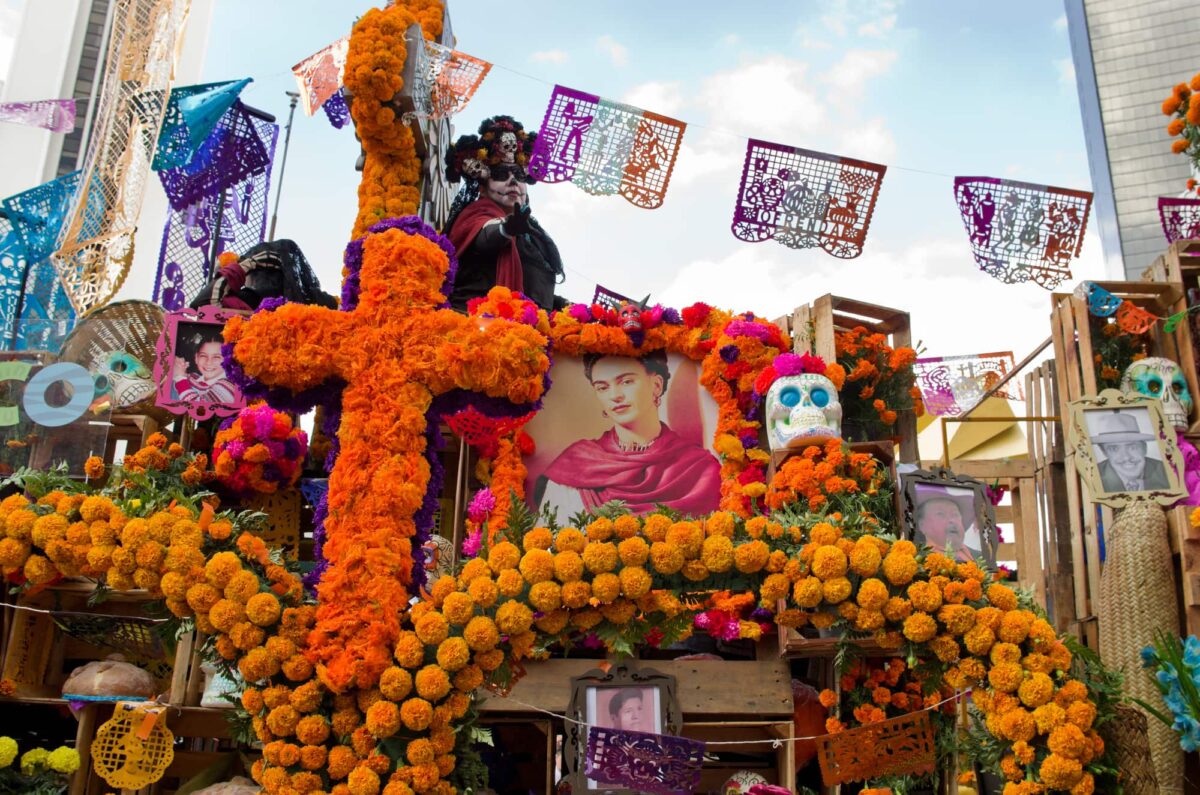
[1127, 465]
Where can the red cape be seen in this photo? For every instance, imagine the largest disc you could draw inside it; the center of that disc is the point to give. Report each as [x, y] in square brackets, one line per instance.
[467, 226]
[670, 471]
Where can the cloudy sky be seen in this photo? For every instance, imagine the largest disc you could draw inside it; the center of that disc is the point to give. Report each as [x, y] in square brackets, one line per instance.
[931, 89]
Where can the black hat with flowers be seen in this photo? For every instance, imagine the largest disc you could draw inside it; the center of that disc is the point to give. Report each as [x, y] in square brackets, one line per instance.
[501, 141]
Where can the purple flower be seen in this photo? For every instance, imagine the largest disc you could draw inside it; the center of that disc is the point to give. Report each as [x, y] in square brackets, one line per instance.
[672, 316]
[592, 641]
[482, 505]
[472, 544]
[729, 353]
[762, 614]
[747, 328]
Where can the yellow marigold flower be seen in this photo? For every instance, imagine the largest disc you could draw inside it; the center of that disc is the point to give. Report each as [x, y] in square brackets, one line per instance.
[925, 596]
[824, 533]
[897, 609]
[958, 619]
[241, 587]
[219, 569]
[202, 596]
[483, 592]
[666, 558]
[899, 569]
[1037, 690]
[720, 523]
[503, 556]
[93, 508]
[633, 551]
[836, 590]
[50, 527]
[471, 677]
[1014, 627]
[945, 648]
[688, 536]
[441, 588]
[791, 618]
[600, 557]
[635, 582]
[568, 566]
[869, 620]
[396, 683]
[600, 530]
[14, 553]
[314, 729]
[808, 592]
[459, 607]
[716, 553]
[416, 714]
[510, 582]
[626, 526]
[478, 567]
[829, 562]
[695, 571]
[537, 538]
[410, 649]
[576, 594]
[432, 683]
[419, 752]
[774, 588]
[752, 557]
[568, 539]
[606, 588]
[63, 760]
[1060, 772]
[979, 640]
[865, 559]
[1041, 632]
[263, 609]
[537, 565]
[1005, 653]
[363, 781]
[973, 669]
[822, 620]
[1082, 714]
[282, 720]
[619, 612]
[452, 654]
[489, 660]
[919, 627]
[1002, 597]
[545, 596]
[776, 561]
[93, 468]
[225, 614]
[655, 527]
[307, 697]
[553, 623]
[1069, 693]
[1068, 740]
[1006, 677]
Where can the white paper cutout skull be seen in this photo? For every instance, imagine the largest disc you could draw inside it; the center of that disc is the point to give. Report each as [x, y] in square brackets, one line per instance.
[1163, 380]
[508, 147]
[741, 782]
[801, 408]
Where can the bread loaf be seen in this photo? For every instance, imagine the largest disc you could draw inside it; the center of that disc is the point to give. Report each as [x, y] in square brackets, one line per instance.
[109, 678]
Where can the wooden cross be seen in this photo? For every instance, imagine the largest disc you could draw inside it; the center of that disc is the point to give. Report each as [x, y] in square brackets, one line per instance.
[395, 351]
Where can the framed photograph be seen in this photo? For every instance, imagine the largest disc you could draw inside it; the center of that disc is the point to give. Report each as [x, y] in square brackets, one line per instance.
[1124, 449]
[951, 513]
[189, 370]
[622, 698]
[638, 430]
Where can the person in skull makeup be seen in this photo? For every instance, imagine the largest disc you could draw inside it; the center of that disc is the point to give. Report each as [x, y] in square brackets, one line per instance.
[497, 240]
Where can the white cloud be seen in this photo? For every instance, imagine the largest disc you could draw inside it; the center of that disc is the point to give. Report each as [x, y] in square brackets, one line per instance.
[856, 68]
[773, 95]
[730, 40]
[549, 56]
[1066, 73]
[878, 28]
[1061, 22]
[868, 140]
[616, 51]
[659, 96]
[872, 18]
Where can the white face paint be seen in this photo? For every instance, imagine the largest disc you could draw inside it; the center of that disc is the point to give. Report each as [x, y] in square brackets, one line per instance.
[801, 408]
[1162, 380]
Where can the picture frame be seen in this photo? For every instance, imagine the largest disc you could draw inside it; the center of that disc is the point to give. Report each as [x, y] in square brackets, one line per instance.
[188, 375]
[951, 513]
[1125, 451]
[621, 697]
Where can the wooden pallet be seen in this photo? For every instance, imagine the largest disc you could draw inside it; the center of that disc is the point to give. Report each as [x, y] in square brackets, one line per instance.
[813, 326]
[1180, 263]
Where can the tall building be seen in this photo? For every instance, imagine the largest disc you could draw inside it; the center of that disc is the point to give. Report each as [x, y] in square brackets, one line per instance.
[1128, 55]
[59, 53]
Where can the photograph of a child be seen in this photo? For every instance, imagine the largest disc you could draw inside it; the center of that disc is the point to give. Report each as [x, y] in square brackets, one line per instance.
[198, 371]
[636, 430]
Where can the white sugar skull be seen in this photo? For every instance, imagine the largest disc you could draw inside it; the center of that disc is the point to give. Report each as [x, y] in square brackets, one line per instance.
[1163, 380]
[741, 782]
[801, 408]
[508, 147]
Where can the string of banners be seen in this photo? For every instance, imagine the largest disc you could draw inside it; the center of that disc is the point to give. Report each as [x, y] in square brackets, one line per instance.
[55, 115]
[1131, 318]
[951, 385]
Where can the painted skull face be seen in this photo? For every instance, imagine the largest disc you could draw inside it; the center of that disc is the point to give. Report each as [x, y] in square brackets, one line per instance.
[630, 316]
[1163, 380]
[508, 147]
[741, 782]
[131, 381]
[801, 408]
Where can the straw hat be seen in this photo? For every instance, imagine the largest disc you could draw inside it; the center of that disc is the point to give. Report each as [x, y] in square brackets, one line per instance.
[1117, 428]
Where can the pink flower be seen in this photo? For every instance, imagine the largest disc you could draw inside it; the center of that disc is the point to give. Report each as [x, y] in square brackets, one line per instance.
[731, 630]
[482, 505]
[473, 543]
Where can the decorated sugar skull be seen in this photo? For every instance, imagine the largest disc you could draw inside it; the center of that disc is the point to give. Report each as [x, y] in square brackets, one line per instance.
[1163, 380]
[741, 782]
[802, 408]
[508, 147]
[630, 316]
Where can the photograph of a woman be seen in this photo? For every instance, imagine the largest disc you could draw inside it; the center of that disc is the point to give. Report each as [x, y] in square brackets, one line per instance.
[627, 450]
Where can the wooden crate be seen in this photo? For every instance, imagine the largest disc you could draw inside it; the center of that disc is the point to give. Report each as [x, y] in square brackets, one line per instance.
[1180, 263]
[813, 326]
[39, 656]
[779, 769]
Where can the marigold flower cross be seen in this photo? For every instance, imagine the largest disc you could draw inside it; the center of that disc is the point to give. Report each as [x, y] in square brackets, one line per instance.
[395, 349]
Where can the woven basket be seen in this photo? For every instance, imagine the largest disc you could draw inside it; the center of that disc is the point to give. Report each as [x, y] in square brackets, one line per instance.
[1130, 738]
[1137, 596]
[126, 327]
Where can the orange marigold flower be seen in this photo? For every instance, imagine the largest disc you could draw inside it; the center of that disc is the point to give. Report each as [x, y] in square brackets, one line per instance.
[416, 714]
[383, 719]
[1060, 772]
